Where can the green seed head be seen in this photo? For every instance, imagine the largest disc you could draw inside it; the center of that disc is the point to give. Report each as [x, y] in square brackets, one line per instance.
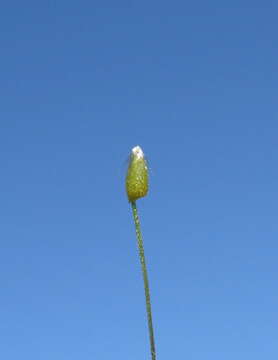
[137, 177]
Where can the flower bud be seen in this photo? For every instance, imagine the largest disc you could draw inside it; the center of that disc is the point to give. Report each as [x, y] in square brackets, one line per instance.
[137, 177]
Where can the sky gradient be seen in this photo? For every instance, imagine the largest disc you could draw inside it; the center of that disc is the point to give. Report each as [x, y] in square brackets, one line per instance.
[195, 85]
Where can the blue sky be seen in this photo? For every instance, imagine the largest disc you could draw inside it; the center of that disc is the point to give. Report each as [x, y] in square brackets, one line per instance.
[195, 85]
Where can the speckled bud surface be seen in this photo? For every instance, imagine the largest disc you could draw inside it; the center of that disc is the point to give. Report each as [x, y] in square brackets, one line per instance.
[137, 178]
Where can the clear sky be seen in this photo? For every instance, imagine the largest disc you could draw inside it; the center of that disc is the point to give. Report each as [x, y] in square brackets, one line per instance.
[194, 83]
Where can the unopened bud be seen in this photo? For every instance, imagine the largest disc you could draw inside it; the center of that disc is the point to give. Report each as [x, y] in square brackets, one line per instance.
[137, 177]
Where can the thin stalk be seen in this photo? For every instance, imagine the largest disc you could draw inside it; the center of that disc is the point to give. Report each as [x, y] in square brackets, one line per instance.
[145, 277]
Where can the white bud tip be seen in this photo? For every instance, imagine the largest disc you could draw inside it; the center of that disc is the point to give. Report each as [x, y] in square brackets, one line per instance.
[137, 152]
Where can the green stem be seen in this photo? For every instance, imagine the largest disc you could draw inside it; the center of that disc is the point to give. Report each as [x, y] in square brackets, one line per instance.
[145, 277]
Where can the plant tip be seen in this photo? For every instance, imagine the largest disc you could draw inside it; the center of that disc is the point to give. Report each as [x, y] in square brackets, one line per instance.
[138, 152]
[137, 178]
